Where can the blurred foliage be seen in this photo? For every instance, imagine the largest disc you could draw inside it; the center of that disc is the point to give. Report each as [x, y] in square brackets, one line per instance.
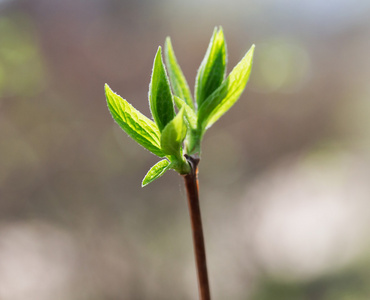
[21, 67]
[349, 284]
[284, 66]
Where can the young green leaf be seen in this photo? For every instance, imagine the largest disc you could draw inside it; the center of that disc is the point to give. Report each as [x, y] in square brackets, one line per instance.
[211, 72]
[173, 135]
[156, 171]
[189, 113]
[227, 94]
[140, 128]
[160, 96]
[179, 84]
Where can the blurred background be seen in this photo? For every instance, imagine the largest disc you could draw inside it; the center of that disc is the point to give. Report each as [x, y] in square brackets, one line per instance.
[284, 179]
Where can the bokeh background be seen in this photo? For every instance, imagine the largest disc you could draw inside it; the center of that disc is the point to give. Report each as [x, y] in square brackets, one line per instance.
[284, 177]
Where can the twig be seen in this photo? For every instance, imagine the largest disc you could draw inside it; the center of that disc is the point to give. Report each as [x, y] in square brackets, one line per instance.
[191, 183]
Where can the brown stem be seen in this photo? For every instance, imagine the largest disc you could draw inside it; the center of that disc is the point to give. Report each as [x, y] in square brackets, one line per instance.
[191, 183]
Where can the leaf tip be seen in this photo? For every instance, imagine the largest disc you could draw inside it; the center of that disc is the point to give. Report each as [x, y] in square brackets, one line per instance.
[251, 50]
[106, 87]
[167, 48]
[159, 51]
[158, 58]
[155, 172]
[220, 30]
[181, 112]
[108, 92]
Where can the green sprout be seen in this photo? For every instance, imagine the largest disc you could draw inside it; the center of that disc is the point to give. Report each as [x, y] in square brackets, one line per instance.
[177, 137]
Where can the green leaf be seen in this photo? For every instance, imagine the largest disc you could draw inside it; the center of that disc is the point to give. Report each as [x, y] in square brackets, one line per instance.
[227, 94]
[189, 113]
[140, 128]
[156, 171]
[160, 96]
[177, 78]
[173, 135]
[212, 70]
